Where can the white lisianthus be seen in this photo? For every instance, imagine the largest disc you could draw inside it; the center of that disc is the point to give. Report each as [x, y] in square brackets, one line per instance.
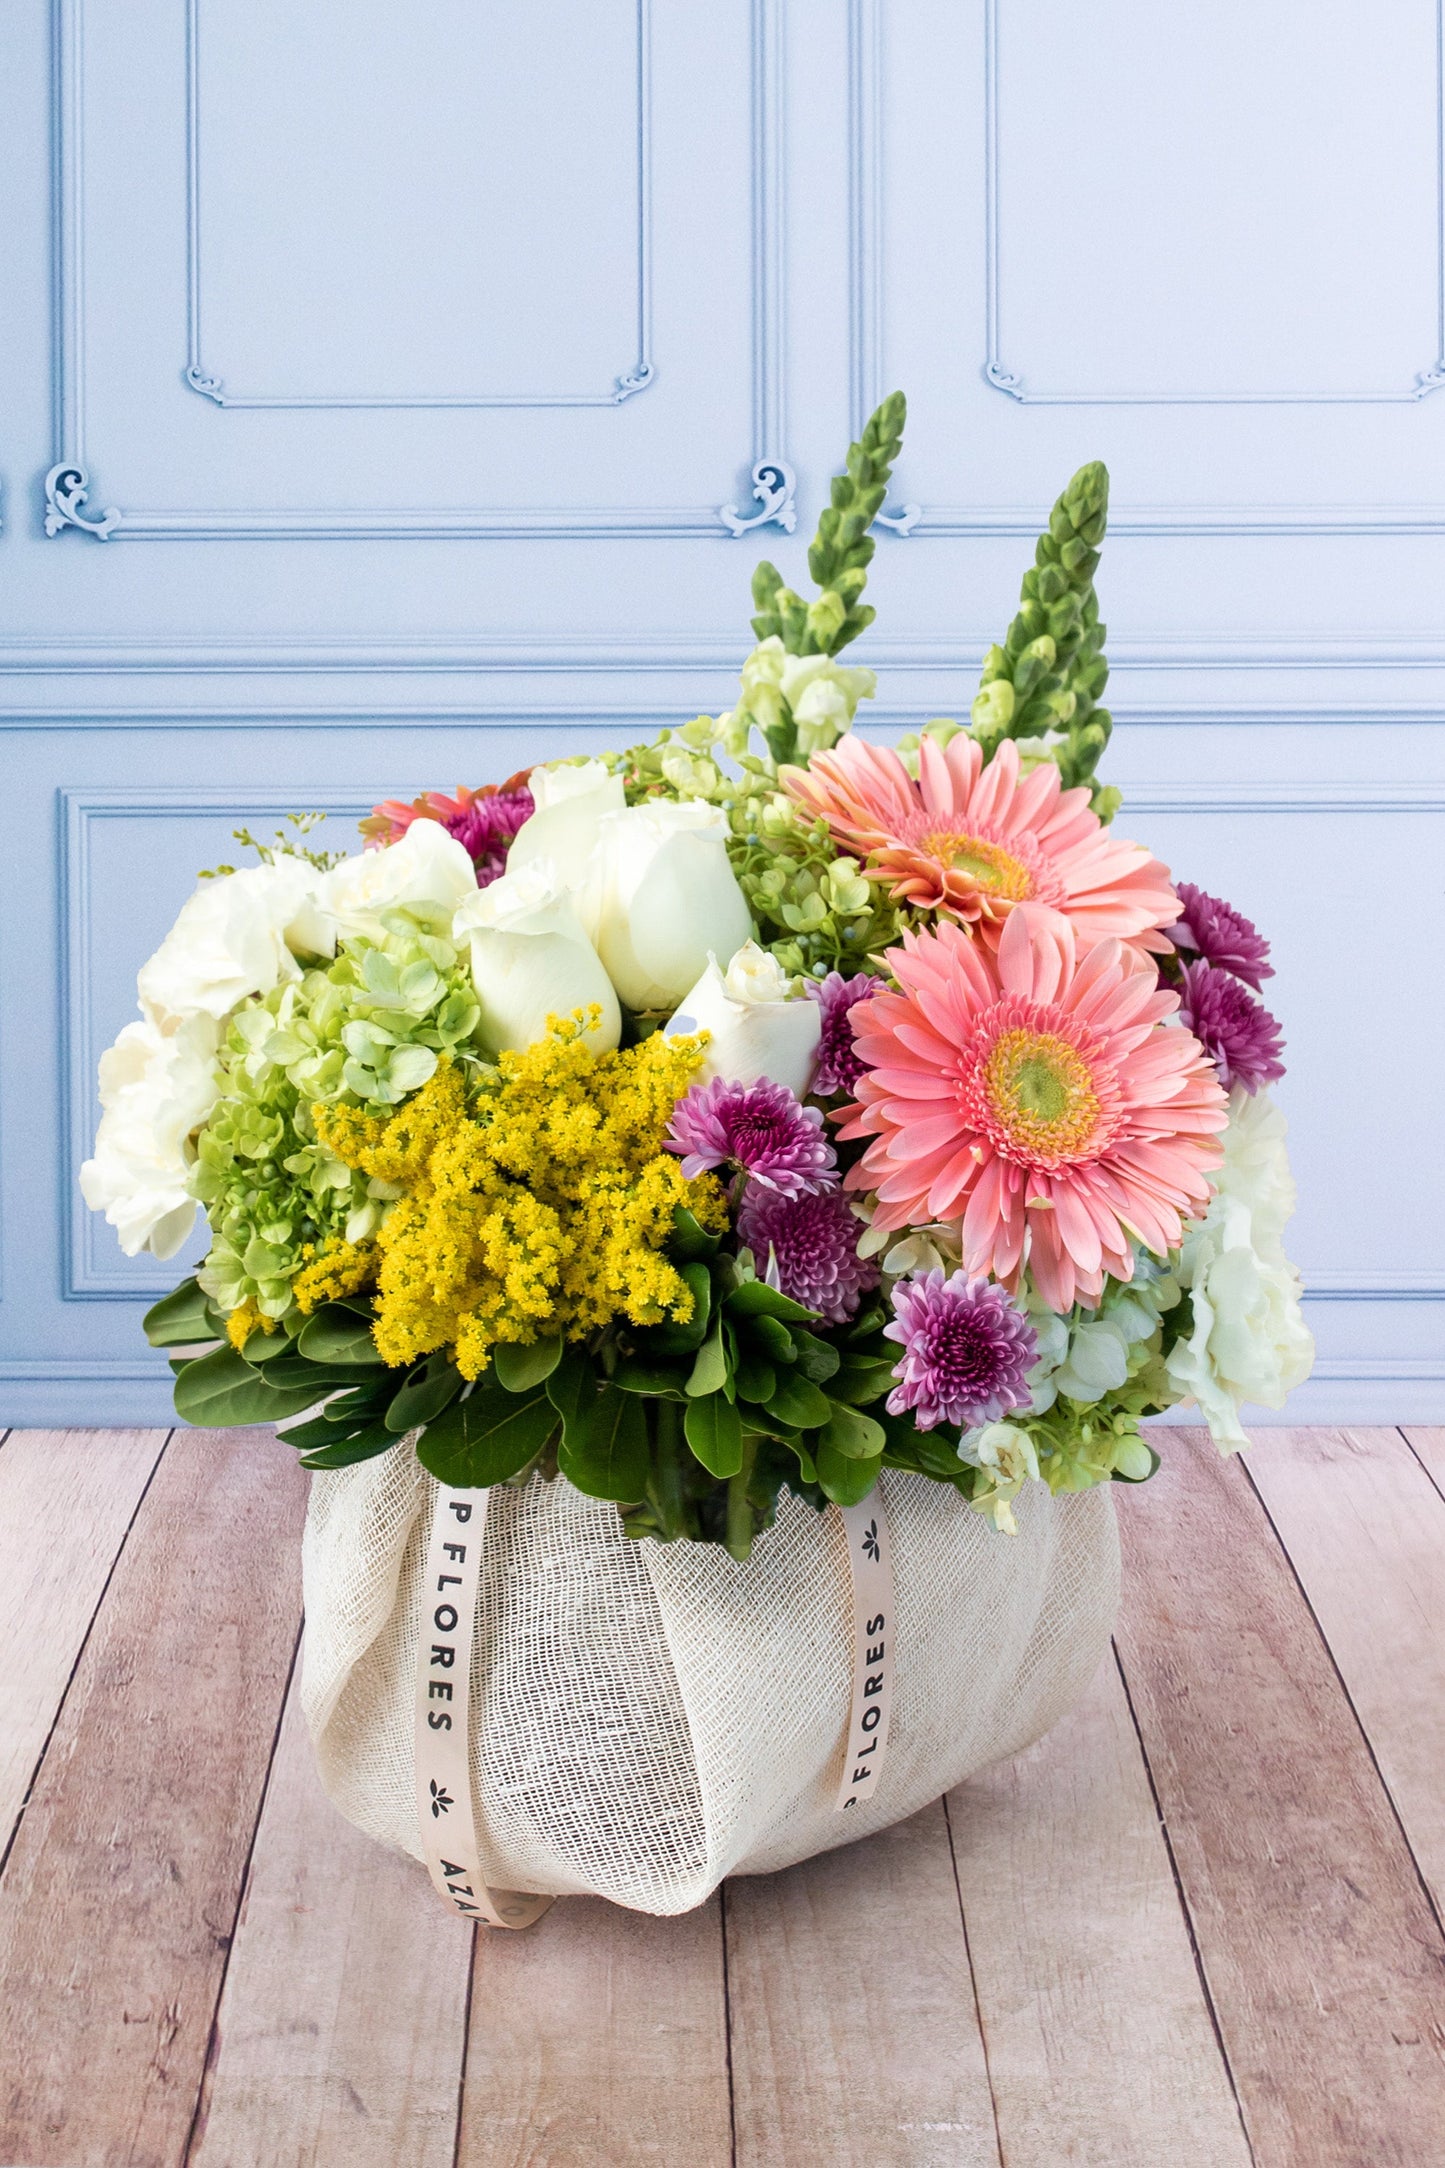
[658, 898]
[1250, 1341]
[756, 1029]
[823, 696]
[236, 936]
[1008, 1460]
[156, 1089]
[427, 866]
[571, 800]
[531, 960]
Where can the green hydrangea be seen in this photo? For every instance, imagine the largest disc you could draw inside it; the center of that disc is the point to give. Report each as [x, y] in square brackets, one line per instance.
[369, 1028]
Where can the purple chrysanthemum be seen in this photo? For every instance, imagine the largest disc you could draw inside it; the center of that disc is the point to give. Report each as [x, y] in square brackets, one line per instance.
[838, 1067]
[1237, 1032]
[967, 1349]
[814, 1242]
[1222, 936]
[485, 829]
[761, 1129]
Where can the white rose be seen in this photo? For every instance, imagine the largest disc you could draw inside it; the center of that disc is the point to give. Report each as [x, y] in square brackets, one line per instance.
[236, 936]
[571, 801]
[426, 866]
[658, 898]
[1250, 1341]
[823, 696]
[156, 1088]
[531, 960]
[755, 1029]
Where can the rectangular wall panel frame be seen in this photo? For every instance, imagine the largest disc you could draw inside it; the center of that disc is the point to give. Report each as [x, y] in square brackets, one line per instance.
[866, 192]
[69, 491]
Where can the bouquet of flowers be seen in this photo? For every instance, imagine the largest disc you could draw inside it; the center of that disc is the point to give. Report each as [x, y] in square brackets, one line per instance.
[732, 1117]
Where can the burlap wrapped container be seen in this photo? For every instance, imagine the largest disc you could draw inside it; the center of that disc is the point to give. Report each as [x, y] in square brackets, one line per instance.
[648, 1718]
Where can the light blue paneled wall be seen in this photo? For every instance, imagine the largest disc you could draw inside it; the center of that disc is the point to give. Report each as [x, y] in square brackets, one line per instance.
[381, 396]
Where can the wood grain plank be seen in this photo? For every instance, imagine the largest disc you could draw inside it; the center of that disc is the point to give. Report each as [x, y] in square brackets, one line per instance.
[121, 1892]
[1101, 2046]
[1428, 1446]
[1324, 1961]
[1365, 1529]
[855, 2035]
[67, 1498]
[598, 2035]
[341, 2029]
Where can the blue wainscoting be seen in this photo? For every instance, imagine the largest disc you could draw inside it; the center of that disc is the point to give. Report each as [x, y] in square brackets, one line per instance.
[387, 400]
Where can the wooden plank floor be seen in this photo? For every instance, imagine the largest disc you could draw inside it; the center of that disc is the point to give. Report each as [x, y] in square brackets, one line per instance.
[1199, 1926]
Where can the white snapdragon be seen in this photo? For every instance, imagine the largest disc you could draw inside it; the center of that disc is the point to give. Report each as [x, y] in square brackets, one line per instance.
[531, 960]
[427, 866]
[658, 897]
[758, 1025]
[1008, 1460]
[157, 1086]
[236, 936]
[1250, 1342]
[823, 696]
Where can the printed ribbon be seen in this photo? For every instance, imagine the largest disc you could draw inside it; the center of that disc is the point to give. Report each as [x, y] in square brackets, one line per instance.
[443, 1691]
[870, 1561]
[443, 1716]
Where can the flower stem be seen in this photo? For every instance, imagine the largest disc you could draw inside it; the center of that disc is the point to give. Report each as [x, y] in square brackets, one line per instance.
[667, 1494]
[740, 1507]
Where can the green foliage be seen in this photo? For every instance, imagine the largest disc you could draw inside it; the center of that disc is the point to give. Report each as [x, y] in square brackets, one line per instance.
[841, 552]
[487, 1438]
[282, 846]
[1046, 679]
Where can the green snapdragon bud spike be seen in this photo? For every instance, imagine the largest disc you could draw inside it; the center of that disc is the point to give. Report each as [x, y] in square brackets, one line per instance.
[841, 550]
[1045, 681]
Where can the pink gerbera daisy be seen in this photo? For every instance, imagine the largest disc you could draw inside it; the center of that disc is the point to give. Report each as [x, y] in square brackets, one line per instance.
[1041, 1100]
[973, 841]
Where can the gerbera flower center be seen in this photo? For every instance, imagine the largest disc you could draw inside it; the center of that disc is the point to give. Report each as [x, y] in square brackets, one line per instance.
[1040, 1090]
[987, 865]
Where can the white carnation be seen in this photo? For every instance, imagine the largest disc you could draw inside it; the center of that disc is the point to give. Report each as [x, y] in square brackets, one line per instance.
[156, 1088]
[236, 936]
[1250, 1341]
[427, 866]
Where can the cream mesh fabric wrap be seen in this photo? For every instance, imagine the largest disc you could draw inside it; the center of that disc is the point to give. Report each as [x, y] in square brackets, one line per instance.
[649, 1717]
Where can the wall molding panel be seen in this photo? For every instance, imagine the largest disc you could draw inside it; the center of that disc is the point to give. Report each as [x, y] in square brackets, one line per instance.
[70, 494]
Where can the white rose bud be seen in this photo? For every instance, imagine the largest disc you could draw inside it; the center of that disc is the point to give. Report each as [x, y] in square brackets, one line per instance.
[571, 800]
[426, 866]
[156, 1088]
[236, 936]
[658, 898]
[531, 960]
[755, 1029]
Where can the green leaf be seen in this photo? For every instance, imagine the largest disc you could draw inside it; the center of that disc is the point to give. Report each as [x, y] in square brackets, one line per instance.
[817, 1359]
[847, 1482]
[179, 1319]
[855, 1436]
[862, 1378]
[709, 1373]
[689, 1239]
[425, 1393]
[806, 1463]
[361, 1445]
[800, 1403]
[221, 1388]
[338, 1334]
[773, 1337]
[520, 1369]
[614, 1460]
[635, 1374]
[715, 1433]
[486, 1438]
[756, 1299]
[681, 1339]
[755, 1379]
[572, 1390]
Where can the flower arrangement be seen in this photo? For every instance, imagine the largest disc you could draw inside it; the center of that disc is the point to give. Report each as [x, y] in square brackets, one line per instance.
[757, 1106]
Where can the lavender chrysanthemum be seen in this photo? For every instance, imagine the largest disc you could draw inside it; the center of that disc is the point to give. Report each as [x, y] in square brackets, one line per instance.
[1237, 1032]
[813, 1241]
[838, 1067]
[967, 1350]
[1222, 936]
[761, 1129]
